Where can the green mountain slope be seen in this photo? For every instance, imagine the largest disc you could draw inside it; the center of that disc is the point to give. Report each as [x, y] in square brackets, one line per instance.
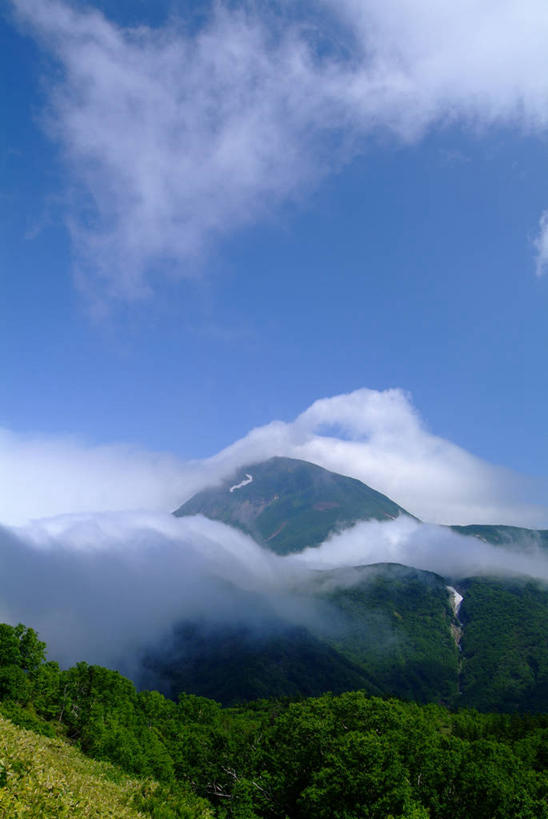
[389, 628]
[395, 621]
[504, 644]
[506, 535]
[290, 504]
[236, 663]
[385, 629]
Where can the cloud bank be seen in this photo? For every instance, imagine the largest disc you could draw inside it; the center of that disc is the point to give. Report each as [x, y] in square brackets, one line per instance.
[177, 137]
[105, 587]
[426, 547]
[108, 585]
[377, 437]
[42, 476]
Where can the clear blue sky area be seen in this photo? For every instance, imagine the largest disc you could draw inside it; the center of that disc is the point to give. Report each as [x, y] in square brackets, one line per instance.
[412, 265]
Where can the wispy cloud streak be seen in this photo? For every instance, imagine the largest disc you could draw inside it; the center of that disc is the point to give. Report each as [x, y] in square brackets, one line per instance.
[177, 138]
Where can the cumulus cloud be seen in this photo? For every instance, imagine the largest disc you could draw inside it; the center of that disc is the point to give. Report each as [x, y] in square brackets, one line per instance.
[375, 436]
[178, 137]
[379, 438]
[481, 62]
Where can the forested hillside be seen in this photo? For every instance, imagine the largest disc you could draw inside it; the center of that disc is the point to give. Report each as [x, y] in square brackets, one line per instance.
[505, 644]
[330, 757]
[387, 629]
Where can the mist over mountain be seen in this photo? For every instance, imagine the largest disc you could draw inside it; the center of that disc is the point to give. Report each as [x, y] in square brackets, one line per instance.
[377, 437]
[510, 536]
[306, 581]
[400, 625]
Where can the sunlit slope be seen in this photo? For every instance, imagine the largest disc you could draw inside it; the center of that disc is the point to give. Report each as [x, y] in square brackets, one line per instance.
[290, 504]
[42, 777]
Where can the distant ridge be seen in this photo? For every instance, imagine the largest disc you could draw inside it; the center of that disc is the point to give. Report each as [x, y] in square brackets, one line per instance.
[287, 504]
[386, 628]
[500, 535]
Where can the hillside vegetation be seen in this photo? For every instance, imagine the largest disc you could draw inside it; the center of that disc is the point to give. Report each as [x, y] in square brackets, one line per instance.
[332, 757]
[48, 777]
[386, 629]
[505, 644]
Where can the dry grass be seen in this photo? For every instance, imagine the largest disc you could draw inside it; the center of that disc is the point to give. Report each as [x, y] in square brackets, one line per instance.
[42, 777]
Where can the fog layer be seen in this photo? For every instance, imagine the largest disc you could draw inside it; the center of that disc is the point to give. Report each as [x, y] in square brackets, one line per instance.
[104, 587]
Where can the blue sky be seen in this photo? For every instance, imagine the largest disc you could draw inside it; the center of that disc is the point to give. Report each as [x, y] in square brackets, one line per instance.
[195, 245]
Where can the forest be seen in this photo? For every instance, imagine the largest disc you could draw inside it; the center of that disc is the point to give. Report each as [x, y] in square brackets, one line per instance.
[344, 756]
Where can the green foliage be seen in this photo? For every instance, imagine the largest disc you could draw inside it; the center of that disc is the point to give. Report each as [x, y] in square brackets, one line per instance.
[21, 647]
[26, 717]
[505, 645]
[394, 622]
[14, 684]
[358, 756]
[343, 756]
[234, 664]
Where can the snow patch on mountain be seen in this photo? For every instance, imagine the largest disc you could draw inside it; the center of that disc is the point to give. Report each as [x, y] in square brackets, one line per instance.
[248, 479]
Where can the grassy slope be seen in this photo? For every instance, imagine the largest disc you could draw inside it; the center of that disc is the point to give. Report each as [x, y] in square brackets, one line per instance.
[46, 777]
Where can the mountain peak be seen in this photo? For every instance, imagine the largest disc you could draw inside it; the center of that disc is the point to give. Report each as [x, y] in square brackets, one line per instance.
[287, 504]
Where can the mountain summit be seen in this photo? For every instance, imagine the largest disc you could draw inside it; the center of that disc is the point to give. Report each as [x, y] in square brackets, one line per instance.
[287, 504]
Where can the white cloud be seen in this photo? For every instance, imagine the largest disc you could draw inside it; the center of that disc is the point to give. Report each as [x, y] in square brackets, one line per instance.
[429, 548]
[541, 244]
[179, 138]
[42, 476]
[132, 576]
[377, 437]
[483, 62]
